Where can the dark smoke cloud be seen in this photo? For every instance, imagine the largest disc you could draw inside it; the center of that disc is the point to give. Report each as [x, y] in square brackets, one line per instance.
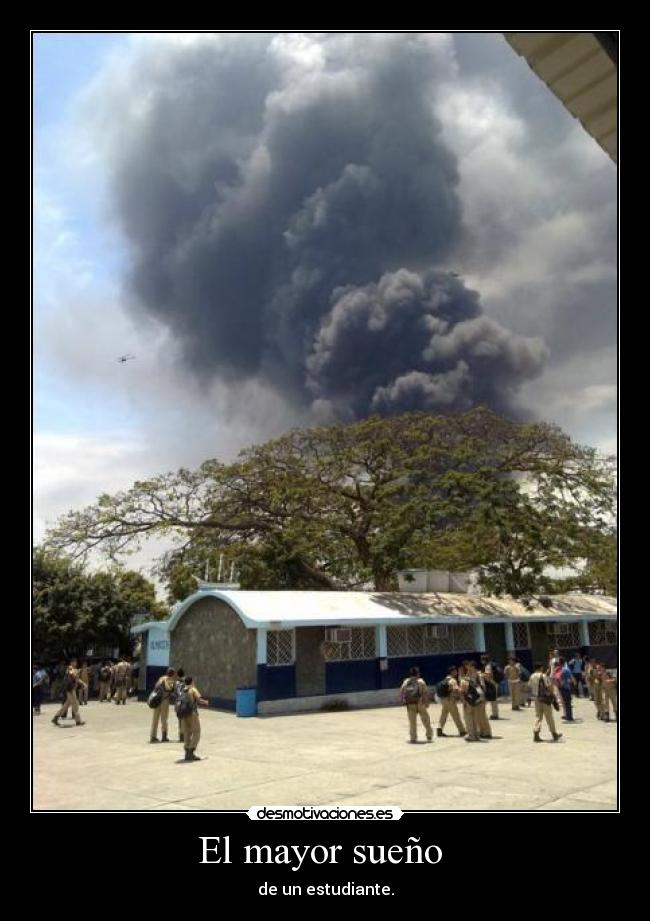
[289, 203]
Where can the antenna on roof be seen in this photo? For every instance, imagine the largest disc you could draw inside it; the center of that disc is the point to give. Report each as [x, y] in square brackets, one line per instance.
[220, 565]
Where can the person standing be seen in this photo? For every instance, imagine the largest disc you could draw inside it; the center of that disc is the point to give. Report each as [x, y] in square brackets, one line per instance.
[470, 693]
[577, 666]
[190, 701]
[71, 682]
[487, 689]
[121, 681]
[513, 675]
[491, 677]
[166, 684]
[415, 695]
[563, 679]
[542, 690]
[448, 692]
[608, 693]
[84, 676]
[596, 683]
[105, 682]
[180, 684]
[39, 682]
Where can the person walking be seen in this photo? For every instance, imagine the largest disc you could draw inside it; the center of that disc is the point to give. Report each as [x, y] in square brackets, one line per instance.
[105, 682]
[187, 709]
[542, 690]
[415, 695]
[166, 684]
[563, 679]
[597, 685]
[180, 683]
[513, 675]
[71, 682]
[448, 692]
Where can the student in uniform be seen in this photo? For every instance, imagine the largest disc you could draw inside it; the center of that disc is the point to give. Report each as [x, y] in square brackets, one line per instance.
[84, 675]
[160, 715]
[513, 675]
[71, 682]
[449, 699]
[180, 683]
[542, 690]
[121, 676]
[191, 722]
[491, 686]
[415, 694]
[470, 693]
[608, 692]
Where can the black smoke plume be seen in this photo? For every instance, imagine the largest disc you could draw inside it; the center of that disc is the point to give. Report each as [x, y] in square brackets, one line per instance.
[289, 203]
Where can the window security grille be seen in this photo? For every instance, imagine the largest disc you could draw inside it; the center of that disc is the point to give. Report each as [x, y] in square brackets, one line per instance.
[360, 645]
[419, 640]
[521, 636]
[279, 647]
[603, 633]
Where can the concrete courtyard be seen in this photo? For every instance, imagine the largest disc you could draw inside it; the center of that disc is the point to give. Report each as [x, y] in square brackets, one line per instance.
[357, 757]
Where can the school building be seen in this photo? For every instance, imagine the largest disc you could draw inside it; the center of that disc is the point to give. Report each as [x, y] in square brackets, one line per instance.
[310, 650]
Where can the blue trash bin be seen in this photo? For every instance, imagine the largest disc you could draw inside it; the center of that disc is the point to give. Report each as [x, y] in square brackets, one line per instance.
[246, 702]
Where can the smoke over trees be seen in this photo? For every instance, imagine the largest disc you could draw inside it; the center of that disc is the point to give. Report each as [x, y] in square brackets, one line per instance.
[291, 212]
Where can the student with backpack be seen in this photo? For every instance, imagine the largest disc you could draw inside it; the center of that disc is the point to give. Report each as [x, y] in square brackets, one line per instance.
[448, 692]
[492, 677]
[163, 691]
[187, 711]
[541, 686]
[471, 694]
[180, 683]
[415, 695]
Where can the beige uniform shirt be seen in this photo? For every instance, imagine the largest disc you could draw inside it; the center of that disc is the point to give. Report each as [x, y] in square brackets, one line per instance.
[512, 672]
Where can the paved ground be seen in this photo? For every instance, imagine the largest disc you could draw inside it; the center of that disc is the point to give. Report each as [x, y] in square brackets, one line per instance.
[358, 757]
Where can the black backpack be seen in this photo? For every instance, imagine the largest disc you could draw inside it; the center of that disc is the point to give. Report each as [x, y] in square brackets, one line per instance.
[69, 682]
[442, 689]
[185, 704]
[524, 674]
[472, 694]
[105, 673]
[412, 691]
[497, 673]
[490, 690]
[155, 698]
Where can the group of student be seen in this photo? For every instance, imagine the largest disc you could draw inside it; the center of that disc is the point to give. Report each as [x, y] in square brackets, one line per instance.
[177, 689]
[472, 687]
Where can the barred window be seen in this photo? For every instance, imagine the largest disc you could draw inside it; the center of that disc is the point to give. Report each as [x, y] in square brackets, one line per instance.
[521, 635]
[429, 640]
[280, 647]
[603, 633]
[361, 646]
[565, 636]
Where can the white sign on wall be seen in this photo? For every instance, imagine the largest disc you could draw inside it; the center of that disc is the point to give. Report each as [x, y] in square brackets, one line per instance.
[157, 647]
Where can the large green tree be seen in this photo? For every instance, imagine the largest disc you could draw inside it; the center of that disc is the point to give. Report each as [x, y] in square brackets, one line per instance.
[74, 610]
[347, 505]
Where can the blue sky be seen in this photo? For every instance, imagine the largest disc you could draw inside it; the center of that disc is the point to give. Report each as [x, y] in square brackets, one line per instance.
[100, 424]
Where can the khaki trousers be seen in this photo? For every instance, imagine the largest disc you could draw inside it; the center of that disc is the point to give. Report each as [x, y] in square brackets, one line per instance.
[71, 702]
[104, 690]
[514, 688]
[545, 711]
[413, 710]
[160, 715]
[609, 696]
[450, 708]
[471, 722]
[83, 695]
[494, 707]
[120, 692]
[482, 721]
[191, 731]
[598, 697]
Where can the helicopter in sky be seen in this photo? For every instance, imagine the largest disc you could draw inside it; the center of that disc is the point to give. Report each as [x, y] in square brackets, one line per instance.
[123, 358]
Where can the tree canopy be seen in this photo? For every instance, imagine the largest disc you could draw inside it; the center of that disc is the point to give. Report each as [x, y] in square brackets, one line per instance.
[74, 610]
[345, 506]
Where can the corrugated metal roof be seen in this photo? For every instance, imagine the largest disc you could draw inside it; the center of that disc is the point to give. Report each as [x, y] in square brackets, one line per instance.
[278, 610]
[577, 67]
